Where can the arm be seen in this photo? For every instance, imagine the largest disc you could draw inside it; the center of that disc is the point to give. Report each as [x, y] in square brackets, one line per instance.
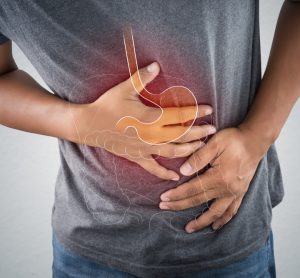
[280, 86]
[234, 153]
[25, 105]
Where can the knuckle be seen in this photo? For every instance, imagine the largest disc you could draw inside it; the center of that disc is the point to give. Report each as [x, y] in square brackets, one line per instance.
[226, 178]
[200, 199]
[194, 201]
[214, 215]
[191, 190]
[198, 159]
[178, 114]
[170, 151]
[227, 217]
[183, 149]
[235, 188]
[187, 114]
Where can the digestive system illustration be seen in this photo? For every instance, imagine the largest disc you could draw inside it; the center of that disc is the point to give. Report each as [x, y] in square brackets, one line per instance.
[126, 206]
[175, 96]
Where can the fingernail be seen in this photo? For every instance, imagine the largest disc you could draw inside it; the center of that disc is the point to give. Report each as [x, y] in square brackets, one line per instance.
[163, 206]
[200, 144]
[208, 111]
[175, 178]
[212, 130]
[215, 227]
[186, 169]
[189, 230]
[164, 197]
[152, 67]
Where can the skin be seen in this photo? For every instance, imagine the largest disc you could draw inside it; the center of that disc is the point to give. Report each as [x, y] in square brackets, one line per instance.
[25, 105]
[158, 131]
[234, 153]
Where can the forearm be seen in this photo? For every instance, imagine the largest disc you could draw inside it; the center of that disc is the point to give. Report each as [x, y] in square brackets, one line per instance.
[280, 86]
[25, 105]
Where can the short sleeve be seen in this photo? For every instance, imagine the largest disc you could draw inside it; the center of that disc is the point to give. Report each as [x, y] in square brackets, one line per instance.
[3, 39]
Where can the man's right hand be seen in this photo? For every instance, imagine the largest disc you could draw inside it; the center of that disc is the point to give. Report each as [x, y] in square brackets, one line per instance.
[25, 105]
[95, 124]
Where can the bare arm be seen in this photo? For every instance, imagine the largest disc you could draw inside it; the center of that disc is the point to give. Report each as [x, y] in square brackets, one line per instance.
[280, 87]
[25, 105]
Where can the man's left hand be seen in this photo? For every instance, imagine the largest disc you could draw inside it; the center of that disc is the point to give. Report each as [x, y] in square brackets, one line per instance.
[233, 156]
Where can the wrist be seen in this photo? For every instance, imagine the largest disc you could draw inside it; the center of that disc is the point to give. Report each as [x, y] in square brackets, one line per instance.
[84, 120]
[74, 125]
[257, 140]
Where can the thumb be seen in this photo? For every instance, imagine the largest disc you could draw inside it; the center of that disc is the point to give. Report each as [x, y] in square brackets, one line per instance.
[138, 81]
[200, 158]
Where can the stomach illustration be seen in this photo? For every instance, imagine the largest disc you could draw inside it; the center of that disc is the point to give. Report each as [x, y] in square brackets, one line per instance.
[174, 96]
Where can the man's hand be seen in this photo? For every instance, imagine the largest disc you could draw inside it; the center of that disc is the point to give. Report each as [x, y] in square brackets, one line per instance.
[96, 124]
[233, 155]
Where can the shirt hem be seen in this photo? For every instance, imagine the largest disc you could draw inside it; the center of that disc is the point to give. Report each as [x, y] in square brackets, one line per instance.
[151, 271]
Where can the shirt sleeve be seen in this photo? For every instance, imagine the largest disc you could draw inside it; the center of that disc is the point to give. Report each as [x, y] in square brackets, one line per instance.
[3, 39]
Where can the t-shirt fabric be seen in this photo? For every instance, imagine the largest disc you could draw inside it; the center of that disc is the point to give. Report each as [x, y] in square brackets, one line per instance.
[106, 207]
[3, 39]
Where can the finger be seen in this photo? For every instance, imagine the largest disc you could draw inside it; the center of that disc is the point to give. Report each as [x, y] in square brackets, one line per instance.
[166, 134]
[201, 158]
[196, 186]
[177, 115]
[175, 150]
[174, 133]
[215, 211]
[158, 135]
[195, 133]
[138, 81]
[191, 202]
[228, 214]
[154, 168]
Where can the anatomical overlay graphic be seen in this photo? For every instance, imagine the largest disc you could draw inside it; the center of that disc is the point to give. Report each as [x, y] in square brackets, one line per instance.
[172, 97]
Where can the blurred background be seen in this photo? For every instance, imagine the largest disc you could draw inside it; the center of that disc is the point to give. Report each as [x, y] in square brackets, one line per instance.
[29, 164]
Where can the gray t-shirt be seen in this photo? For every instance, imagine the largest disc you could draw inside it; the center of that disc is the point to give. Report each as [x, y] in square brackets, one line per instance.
[106, 208]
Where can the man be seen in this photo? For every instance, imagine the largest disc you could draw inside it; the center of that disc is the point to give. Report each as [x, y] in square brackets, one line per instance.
[127, 208]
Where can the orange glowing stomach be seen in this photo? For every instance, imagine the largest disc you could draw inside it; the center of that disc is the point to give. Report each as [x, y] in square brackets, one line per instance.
[175, 96]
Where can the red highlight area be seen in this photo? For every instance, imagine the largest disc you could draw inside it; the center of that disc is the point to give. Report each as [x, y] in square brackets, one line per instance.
[174, 96]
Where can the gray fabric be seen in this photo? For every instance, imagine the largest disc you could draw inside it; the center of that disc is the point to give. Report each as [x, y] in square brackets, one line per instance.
[106, 208]
[3, 39]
